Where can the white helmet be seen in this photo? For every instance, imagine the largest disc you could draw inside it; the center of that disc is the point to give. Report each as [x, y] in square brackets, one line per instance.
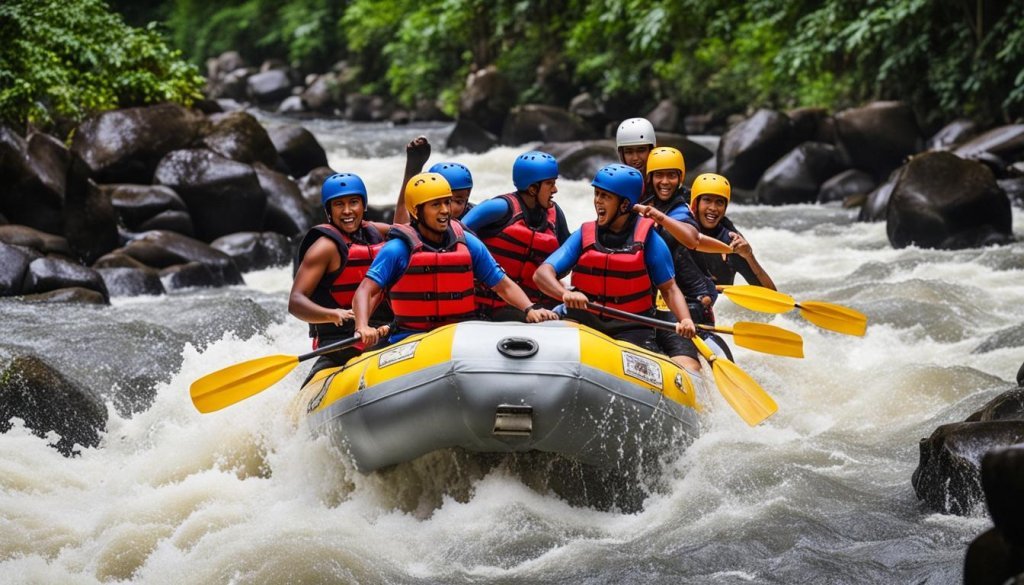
[635, 132]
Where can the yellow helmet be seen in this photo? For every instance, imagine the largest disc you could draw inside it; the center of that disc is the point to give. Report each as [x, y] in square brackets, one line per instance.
[709, 184]
[665, 158]
[425, 187]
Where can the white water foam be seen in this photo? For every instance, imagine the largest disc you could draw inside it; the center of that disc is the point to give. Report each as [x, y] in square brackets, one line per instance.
[820, 491]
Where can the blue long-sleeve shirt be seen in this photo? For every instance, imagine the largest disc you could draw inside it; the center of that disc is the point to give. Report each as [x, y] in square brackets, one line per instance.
[496, 211]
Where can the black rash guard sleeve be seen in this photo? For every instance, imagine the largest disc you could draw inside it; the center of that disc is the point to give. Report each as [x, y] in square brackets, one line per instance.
[692, 281]
[743, 268]
[561, 226]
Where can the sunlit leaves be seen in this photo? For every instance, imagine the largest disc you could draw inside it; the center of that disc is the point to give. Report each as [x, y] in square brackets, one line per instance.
[63, 60]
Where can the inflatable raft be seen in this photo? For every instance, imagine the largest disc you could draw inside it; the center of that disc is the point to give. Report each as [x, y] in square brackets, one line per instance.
[556, 387]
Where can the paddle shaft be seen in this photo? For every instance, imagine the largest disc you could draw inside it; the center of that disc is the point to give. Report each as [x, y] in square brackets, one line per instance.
[656, 323]
[337, 345]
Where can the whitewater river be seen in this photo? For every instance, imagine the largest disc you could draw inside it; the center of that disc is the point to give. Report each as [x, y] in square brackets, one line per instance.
[820, 493]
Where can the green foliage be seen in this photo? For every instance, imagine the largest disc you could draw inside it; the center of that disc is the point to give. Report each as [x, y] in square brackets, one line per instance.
[429, 47]
[303, 32]
[947, 58]
[425, 56]
[369, 26]
[61, 61]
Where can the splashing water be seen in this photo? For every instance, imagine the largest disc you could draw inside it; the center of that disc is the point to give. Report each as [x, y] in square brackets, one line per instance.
[821, 492]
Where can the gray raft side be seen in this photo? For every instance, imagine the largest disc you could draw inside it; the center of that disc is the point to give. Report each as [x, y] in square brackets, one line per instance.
[578, 411]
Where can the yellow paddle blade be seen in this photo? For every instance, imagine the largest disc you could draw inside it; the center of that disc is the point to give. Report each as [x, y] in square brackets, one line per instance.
[834, 317]
[240, 381]
[768, 339]
[746, 397]
[742, 393]
[758, 298]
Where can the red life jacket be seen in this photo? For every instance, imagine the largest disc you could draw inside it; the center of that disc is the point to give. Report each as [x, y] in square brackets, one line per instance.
[360, 256]
[437, 287]
[616, 278]
[519, 249]
[336, 288]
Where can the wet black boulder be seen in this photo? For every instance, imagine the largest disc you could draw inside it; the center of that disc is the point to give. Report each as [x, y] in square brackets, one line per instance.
[239, 136]
[42, 242]
[223, 196]
[486, 99]
[469, 136]
[32, 390]
[89, 218]
[847, 184]
[543, 123]
[287, 211]
[33, 172]
[943, 201]
[797, 177]
[130, 282]
[255, 250]
[49, 274]
[750, 147]
[14, 261]
[124, 146]
[948, 475]
[997, 556]
[135, 204]
[172, 252]
[299, 149]
[879, 136]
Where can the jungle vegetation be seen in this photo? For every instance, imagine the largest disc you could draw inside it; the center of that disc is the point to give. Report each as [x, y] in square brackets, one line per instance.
[947, 58]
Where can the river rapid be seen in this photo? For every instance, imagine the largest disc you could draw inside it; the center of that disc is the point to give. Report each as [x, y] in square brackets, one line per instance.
[820, 493]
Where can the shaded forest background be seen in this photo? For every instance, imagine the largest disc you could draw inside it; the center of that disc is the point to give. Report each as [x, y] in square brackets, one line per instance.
[60, 61]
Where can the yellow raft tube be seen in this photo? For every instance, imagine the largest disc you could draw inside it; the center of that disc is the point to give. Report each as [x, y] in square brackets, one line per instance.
[558, 387]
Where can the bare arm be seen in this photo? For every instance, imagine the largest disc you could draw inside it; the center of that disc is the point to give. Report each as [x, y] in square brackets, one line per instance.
[366, 298]
[677, 304]
[547, 281]
[321, 258]
[684, 233]
[508, 290]
[383, 228]
[743, 249]
[416, 154]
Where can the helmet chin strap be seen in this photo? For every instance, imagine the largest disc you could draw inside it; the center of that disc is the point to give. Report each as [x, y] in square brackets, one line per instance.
[618, 211]
[531, 196]
[330, 219]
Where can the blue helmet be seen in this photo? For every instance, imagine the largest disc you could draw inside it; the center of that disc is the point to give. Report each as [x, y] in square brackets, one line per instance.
[340, 185]
[457, 175]
[533, 167]
[622, 180]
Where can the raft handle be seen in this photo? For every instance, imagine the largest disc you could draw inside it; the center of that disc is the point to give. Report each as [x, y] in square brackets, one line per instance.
[517, 347]
[513, 420]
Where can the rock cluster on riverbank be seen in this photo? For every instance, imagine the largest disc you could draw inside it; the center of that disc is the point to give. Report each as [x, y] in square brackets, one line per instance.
[157, 198]
[807, 155]
[981, 460]
[153, 199]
